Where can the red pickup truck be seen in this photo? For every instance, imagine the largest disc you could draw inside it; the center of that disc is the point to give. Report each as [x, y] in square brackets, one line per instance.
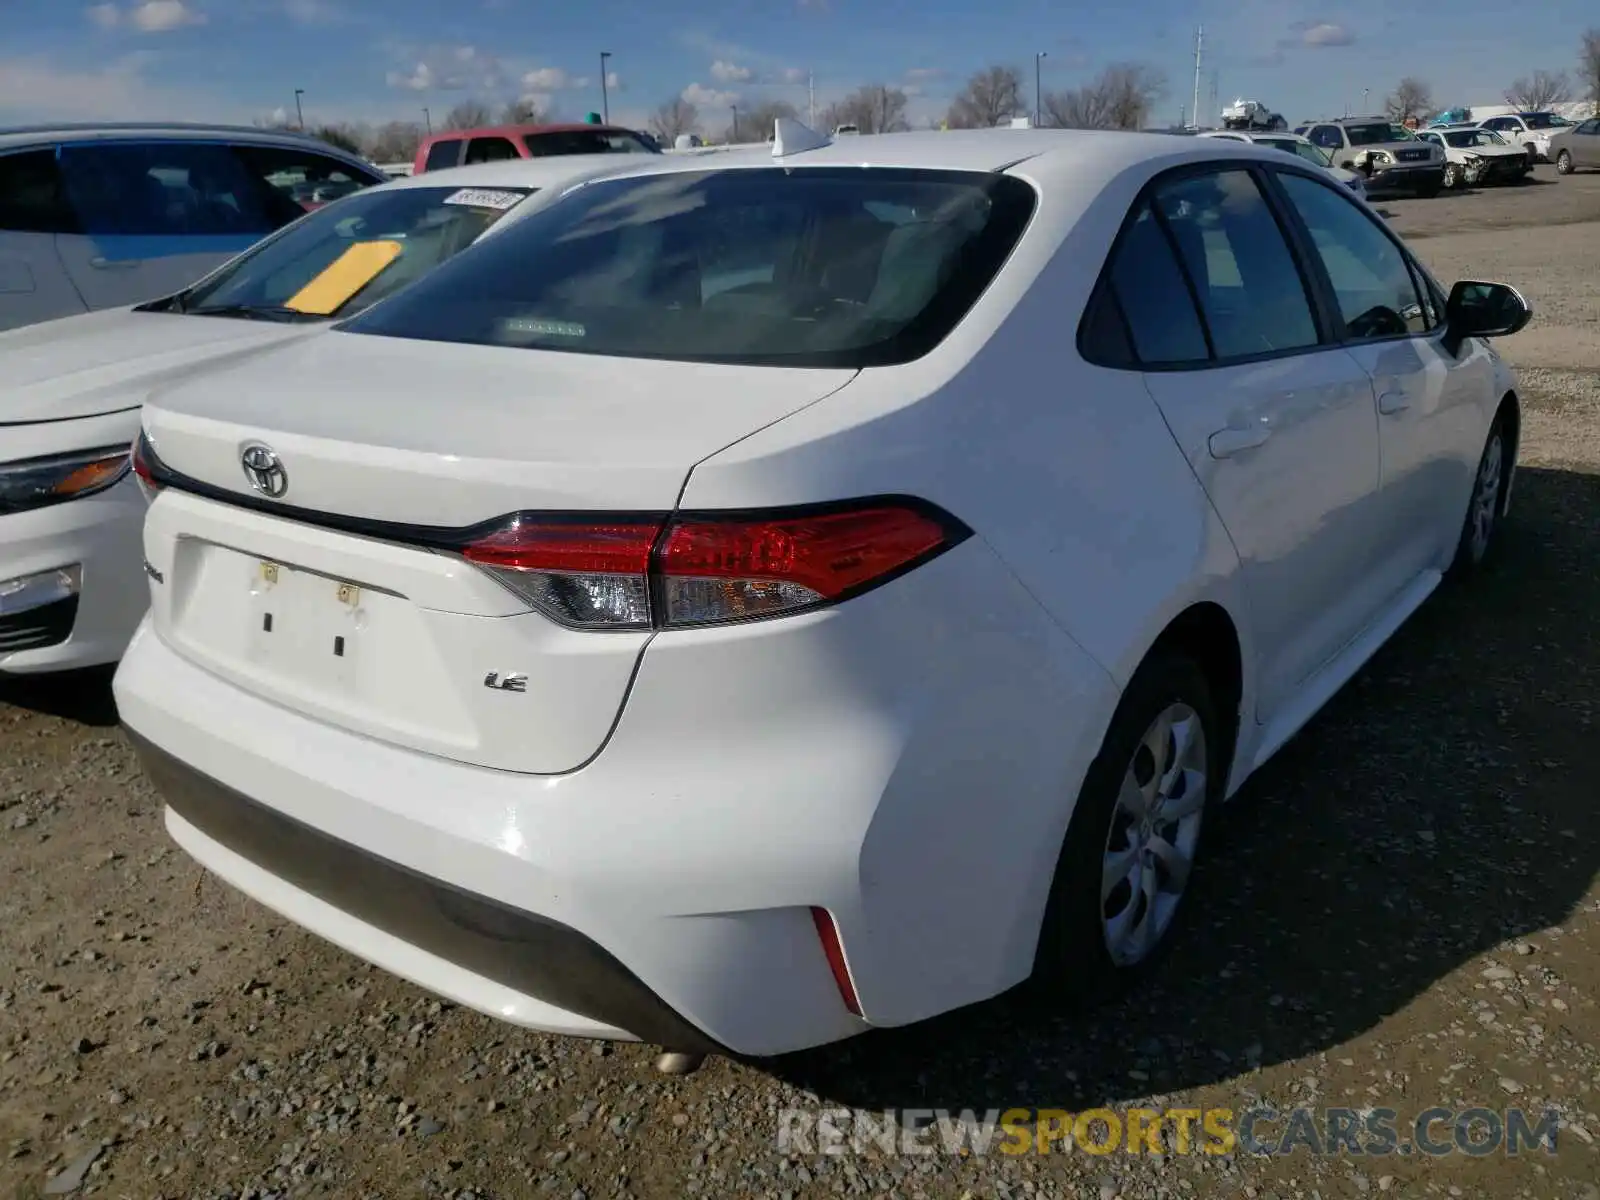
[462, 147]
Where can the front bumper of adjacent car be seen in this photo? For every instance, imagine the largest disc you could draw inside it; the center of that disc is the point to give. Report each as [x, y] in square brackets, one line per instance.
[72, 584]
[1406, 177]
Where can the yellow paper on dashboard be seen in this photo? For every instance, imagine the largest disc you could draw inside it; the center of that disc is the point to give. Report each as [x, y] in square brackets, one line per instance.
[344, 277]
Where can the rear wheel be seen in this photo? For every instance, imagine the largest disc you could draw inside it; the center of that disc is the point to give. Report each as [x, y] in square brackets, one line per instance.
[1564, 162]
[1487, 505]
[1130, 849]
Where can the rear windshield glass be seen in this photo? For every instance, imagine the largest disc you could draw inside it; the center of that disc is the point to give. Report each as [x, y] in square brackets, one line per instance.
[1369, 135]
[342, 258]
[816, 266]
[586, 141]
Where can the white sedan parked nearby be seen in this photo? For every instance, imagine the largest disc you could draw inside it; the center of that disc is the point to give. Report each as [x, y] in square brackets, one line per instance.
[1302, 147]
[755, 599]
[72, 584]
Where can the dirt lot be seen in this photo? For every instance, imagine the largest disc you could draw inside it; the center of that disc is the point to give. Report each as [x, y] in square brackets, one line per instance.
[1402, 913]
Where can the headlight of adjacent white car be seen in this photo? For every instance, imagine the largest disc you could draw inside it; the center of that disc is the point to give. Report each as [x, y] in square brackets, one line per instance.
[37, 482]
[1381, 157]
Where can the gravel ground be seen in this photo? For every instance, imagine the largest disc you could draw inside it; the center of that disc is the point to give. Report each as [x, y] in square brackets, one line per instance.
[1401, 912]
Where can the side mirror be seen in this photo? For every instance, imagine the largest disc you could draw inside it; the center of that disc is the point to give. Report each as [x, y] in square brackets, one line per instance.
[1485, 310]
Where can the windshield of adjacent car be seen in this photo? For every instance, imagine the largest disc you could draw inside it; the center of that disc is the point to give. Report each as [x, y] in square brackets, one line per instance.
[819, 266]
[1375, 134]
[1544, 120]
[1493, 138]
[586, 141]
[349, 255]
[1305, 150]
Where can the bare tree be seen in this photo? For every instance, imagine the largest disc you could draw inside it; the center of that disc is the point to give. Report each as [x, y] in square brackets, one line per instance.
[1539, 91]
[395, 142]
[757, 120]
[469, 114]
[1411, 98]
[1120, 97]
[1589, 66]
[991, 96]
[874, 108]
[674, 117]
[526, 111]
[348, 138]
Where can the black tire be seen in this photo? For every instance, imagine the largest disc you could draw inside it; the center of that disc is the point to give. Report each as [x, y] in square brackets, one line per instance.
[1073, 965]
[1475, 546]
[1454, 176]
[1564, 163]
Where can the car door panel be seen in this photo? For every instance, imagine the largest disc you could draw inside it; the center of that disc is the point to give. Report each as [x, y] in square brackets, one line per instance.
[33, 282]
[1288, 453]
[1286, 447]
[1428, 402]
[111, 270]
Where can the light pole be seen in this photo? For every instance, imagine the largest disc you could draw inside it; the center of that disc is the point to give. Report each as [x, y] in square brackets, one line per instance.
[605, 100]
[1364, 92]
[298, 111]
[427, 120]
[1038, 93]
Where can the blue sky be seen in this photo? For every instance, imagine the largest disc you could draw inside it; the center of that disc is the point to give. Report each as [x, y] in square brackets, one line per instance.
[376, 60]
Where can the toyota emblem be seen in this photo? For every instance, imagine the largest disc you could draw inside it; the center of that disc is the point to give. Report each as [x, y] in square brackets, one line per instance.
[264, 470]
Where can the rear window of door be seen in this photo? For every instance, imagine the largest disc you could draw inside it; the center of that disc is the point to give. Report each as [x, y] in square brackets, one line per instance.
[1251, 293]
[584, 141]
[32, 197]
[170, 189]
[490, 149]
[446, 153]
[306, 179]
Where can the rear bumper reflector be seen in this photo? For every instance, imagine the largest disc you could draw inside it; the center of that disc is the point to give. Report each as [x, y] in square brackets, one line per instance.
[828, 933]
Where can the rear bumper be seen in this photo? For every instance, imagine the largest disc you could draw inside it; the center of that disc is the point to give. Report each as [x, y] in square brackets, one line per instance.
[101, 534]
[909, 771]
[529, 956]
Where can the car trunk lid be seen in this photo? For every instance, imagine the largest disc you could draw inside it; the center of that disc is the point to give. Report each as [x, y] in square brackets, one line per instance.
[347, 597]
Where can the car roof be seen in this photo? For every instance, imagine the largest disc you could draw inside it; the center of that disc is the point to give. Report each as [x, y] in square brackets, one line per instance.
[1068, 152]
[520, 130]
[15, 137]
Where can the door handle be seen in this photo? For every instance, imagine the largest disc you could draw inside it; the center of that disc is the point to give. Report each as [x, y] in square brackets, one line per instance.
[1225, 443]
[121, 264]
[1393, 402]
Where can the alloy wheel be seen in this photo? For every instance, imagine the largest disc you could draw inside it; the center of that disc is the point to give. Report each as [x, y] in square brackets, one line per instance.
[1486, 496]
[1154, 834]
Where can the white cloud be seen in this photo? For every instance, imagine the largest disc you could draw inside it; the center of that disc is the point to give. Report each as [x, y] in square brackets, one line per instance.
[613, 80]
[547, 79]
[314, 12]
[160, 16]
[152, 16]
[727, 72]
[703, 97]
[34, 89]
[418, 79]
[794, 74]
[1326, 33]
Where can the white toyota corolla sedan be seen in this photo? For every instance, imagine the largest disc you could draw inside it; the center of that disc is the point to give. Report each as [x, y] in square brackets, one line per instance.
[72, 583]
[760, 598]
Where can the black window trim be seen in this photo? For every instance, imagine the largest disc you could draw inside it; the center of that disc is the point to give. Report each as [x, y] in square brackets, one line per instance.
[1325, 319]
[1420, 281]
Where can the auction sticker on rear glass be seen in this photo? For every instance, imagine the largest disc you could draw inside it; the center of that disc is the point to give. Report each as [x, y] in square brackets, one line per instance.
[485, 198]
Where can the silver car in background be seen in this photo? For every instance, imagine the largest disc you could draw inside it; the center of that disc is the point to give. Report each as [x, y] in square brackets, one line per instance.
[102, 216]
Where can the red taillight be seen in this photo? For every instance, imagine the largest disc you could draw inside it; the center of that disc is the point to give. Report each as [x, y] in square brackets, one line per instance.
[833, 949]
[705, 569]
[140, 456]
